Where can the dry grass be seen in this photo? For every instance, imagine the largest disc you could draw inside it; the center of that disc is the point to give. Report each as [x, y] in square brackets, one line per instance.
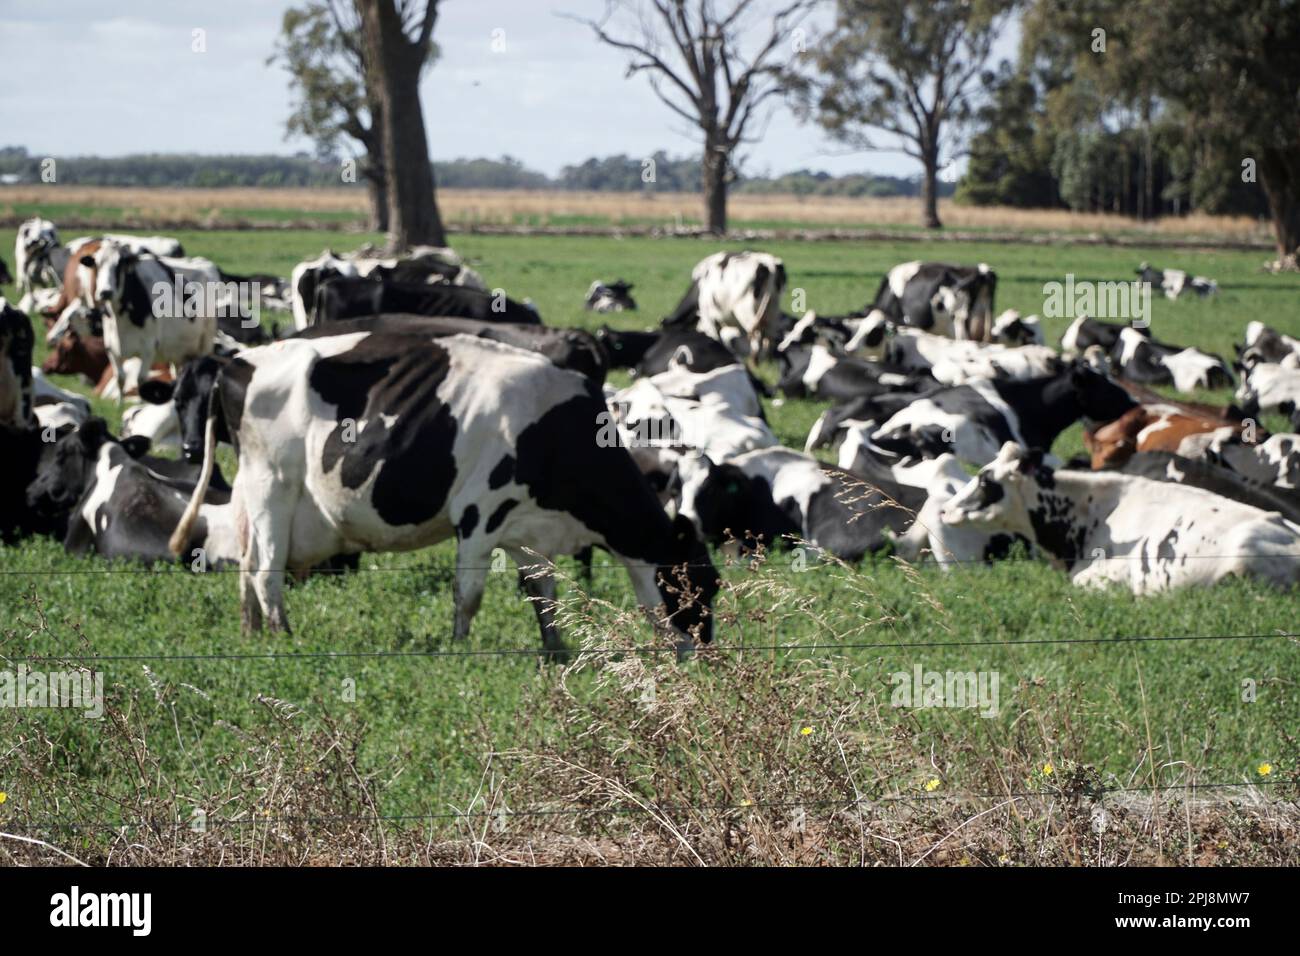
[213, 207]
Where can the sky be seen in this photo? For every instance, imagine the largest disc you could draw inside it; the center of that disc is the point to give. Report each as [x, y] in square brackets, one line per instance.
[515, 78]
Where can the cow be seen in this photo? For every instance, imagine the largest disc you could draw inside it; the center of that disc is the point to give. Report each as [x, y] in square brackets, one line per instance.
[609, 297]
[1086, 331]
[1273, 461]
[38, 258]
[456, 437]
[1268, 388]
[1149, 428]
[1011, 328]
[778, 496]
[1142, 359]
[16, 344]
[816, 372]
[343, 297]
[1204, 474]
[649, 353]
[1265, 345]
[735, 297]
[1103, 527]
[23, 449]
[953, 301]
[953, 362]
[1174, 282]
[127, 288]
[974, 420]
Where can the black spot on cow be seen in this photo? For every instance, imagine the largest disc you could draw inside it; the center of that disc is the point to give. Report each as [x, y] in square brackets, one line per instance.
[502, 472]
[413, 456]
[1054, 532]
[1165, 550]
[468, 522]
[499, 515]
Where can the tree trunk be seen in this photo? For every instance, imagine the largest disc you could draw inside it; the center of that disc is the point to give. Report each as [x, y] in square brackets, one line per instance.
[930, 190]
[378, 193]
[714, 183]
[413, 217]
[1279, 174]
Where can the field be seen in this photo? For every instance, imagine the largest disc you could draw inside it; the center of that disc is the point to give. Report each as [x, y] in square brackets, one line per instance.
[368, 735]
[578, 211]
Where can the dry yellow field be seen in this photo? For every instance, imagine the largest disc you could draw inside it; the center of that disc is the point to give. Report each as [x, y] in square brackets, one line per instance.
[230, 206]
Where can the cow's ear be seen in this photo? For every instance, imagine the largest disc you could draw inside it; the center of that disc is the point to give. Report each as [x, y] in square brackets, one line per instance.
[135, 445]
[156, 392]
[93, 432]
[87, 261]
[683, 530]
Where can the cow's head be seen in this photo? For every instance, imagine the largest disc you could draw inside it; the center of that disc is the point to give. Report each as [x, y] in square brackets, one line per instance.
[1003, 494]
[63, 475]
[111, 264]
[869, 338]
[1099, 398]
[191, 393]
[70, 356]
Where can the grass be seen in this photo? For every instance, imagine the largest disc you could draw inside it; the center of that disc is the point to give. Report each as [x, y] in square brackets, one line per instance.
[428, 733]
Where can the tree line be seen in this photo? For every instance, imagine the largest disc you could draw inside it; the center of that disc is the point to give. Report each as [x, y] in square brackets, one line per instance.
[599, 174]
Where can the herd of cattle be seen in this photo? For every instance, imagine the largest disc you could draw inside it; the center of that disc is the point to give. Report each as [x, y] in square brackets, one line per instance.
[406, 403]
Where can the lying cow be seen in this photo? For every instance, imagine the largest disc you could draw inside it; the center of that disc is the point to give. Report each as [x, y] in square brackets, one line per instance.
[953, 362]
[735, 297]
[1265, 345]
[1268, 388]
[455, 437]
[1150, 428]
[777, 496]
[345, 297]
[1167, 466]
[609, 297]
[1273, 461]
[953, 301]
[1140, 358]
[1103, 527]
[1011, 328]
[1085, 332]
[1174, 282]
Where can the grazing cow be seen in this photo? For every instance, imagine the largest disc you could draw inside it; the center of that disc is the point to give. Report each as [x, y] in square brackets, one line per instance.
[125, 284]
[1268, 346]
[735, 297]
[1011, 328]
[973, 421]
[345, 297]
[1085, 332]
[1268, 388]
[1149, 428]
[1103, 527]
[778, 496]
[1142, 359]
[1167, 466]
[455, 437]
[952, 301]
[610, 297]
[1174, 282]
[16, 342]
[1274, 461]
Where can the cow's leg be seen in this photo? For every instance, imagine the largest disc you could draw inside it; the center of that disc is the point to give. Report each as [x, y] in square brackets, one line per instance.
[472, 563]
[538, 583]
[250, 608]
[269, 527]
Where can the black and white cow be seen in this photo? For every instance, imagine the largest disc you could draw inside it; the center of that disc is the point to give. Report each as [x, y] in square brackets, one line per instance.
[1140, 358]
[16, 343]
[610, 297]
[144, 319]
[1086, 331]
[39, 260]
[952, 301]
[953, 362]
[1012, 328]
[1268, 388]
[343, 297]
[735, 297]
[816, 372]
[777, 496]
[1174, 282]
[1274, 461]
[1103, 527]
[650, 353]
[455, 437]
[1205, 474]
[1265, 345]
[973, 421]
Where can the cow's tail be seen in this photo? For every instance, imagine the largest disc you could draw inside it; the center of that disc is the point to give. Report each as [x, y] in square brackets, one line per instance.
[180, 538]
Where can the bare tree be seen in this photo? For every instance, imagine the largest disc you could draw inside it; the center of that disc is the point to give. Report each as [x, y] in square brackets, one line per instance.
[905, 68]
[398, 45]
[320, 47]
[702, 74]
